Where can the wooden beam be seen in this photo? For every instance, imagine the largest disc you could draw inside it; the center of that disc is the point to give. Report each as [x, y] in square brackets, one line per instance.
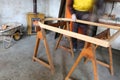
[76, 35]
[104, 64]
[42, 62]
[57, 24]
[86, 22]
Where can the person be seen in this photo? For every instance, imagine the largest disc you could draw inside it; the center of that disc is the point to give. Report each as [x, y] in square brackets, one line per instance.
[82, 10]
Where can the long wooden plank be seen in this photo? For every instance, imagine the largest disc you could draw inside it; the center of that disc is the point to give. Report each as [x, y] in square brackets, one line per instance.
[76, 35]
[86, 22]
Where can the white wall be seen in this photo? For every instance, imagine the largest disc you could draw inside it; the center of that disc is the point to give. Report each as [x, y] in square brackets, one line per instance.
[116, 11]
[53, 8]
[16, 10]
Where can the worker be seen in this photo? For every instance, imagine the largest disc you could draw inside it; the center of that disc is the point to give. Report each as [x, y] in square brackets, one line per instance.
[82, 10]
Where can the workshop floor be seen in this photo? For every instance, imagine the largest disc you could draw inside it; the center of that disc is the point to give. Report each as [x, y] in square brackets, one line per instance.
[16, 62]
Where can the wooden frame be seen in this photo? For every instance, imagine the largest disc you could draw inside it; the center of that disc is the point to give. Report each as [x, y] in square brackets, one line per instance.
[30, 18]
[104, 43]
[92, 40]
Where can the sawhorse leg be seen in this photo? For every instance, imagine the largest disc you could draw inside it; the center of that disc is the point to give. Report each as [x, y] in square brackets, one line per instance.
[41, 35]
[111, 61]
[70, 49]
[91, 56]
[106, 35]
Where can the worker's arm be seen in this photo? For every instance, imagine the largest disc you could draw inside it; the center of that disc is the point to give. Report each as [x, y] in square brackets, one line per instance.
[70, 6]
[71, 9]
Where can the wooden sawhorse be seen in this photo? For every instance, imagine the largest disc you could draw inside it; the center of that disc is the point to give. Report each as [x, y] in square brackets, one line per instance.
[89, 47]
[69, 49]
[89, 53]
[42, 35]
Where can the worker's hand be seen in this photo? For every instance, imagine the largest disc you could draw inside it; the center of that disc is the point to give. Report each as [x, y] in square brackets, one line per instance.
[74, 17]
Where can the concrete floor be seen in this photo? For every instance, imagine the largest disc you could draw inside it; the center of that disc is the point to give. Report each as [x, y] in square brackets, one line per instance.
[16, 62]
